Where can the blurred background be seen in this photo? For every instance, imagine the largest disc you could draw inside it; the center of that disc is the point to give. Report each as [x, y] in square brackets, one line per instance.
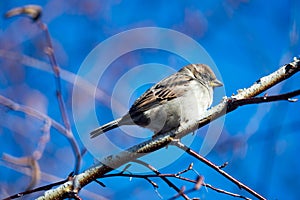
[246, 39]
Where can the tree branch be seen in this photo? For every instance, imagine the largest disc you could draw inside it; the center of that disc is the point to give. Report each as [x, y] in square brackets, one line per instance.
[217, 168]
[62, 107]
[34, 12]
[172, 185]
[49, 122]
[265, 99]
[161, 141]
[198, 182]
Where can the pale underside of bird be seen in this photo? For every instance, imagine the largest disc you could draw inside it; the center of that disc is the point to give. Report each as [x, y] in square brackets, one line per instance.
[180, 98]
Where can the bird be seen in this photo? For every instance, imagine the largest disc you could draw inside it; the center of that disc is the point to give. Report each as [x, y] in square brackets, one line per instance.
[180, 98]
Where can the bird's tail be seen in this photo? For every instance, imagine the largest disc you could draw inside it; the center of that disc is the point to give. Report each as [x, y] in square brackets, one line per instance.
[106, 127]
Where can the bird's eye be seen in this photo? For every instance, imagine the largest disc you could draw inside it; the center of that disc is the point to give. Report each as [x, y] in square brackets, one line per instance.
[205, 76]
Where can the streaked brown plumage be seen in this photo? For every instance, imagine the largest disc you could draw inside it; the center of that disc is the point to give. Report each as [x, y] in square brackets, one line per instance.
[174, 100]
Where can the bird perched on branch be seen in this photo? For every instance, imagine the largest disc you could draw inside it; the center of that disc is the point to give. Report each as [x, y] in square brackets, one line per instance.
[180, 98]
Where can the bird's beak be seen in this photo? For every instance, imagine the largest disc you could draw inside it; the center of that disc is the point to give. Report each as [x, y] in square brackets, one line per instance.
[216, 83]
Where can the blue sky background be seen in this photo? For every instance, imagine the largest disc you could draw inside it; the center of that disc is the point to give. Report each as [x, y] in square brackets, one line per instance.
[246, 40]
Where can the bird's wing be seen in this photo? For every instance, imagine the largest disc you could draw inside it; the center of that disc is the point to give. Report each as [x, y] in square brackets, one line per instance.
[164, 91]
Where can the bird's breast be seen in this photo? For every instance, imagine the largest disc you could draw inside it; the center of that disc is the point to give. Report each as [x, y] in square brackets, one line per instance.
[188, 107]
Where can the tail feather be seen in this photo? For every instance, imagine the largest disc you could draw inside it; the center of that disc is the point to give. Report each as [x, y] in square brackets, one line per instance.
[106, 127]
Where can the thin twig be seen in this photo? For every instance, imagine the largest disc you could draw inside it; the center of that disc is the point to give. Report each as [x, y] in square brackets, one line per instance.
[256, 100]
[27, 162]
[42, 188]
[35, 12]
[217, 190]
[180, 192]
[32, 112]
[217, 168]
[56, 70]
[170, 184]
[48, 122]
[46, 178]
[225, 192]
[62, 107]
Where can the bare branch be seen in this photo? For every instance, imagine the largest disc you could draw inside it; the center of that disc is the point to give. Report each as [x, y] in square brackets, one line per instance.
[170, 184]
[49, 122]
[256, 100]
[29, 162]
[42, 188]
[181, 192]
[56, 70]
[35, 12]
[225, 192]
[34, 113]
[217, 168]
[161, 141]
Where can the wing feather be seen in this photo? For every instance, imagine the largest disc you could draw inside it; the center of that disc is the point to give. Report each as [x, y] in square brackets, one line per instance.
[164, 91]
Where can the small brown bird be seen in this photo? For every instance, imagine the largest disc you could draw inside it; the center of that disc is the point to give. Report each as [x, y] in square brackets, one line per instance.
[180, 98]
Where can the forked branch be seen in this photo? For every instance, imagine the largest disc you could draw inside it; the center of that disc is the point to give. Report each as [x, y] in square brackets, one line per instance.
[131, 154]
